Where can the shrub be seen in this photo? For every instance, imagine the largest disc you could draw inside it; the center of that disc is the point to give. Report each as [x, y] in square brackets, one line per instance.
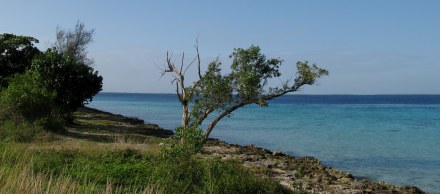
[24, 98]
[29, 106]
[185, 143]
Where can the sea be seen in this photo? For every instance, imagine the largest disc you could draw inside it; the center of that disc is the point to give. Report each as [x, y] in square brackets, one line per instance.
[391, 138]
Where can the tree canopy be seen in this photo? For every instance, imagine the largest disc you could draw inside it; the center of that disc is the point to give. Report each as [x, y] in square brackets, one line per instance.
[74, 82]
[247, 83]
[64, 69]
[40, 90]
[16, 54]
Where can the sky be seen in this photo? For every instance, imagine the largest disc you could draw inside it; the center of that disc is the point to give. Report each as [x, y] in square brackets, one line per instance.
[369, 47]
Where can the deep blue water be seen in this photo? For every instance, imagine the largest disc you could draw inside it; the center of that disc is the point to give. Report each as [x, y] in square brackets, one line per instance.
[391, 138]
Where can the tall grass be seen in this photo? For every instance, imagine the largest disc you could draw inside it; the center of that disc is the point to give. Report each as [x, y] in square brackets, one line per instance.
[20, 179]
[18, 175]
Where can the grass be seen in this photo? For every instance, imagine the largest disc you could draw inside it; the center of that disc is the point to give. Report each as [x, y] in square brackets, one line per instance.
[97, 160]
[26, 170]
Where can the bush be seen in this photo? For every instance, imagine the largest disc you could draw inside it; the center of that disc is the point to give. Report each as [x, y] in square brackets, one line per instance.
[179, 170]
[185, 143]
[25, 103]
[24, 98]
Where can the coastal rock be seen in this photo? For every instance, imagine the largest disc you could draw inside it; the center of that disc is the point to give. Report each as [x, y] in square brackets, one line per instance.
[298, 174]
[278, 153]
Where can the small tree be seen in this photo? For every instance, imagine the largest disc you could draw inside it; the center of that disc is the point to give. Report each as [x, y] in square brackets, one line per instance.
[73, 44]
[247, 83]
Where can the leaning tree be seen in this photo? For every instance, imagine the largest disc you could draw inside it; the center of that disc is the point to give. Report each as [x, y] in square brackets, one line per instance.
[218, 94]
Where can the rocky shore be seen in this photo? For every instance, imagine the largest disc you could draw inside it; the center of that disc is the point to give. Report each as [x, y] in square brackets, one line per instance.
[299, 173]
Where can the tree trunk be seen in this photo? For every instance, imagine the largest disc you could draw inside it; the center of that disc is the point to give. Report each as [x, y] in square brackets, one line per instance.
[185, 115]
[218, 118]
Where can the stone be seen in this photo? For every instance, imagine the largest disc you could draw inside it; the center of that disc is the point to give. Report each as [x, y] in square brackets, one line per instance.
[278, 153]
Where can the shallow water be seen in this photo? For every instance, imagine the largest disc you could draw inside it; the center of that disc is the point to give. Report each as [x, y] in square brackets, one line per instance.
[392, 138]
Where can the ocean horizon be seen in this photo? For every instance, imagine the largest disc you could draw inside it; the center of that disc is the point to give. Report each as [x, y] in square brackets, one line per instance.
[391, 138]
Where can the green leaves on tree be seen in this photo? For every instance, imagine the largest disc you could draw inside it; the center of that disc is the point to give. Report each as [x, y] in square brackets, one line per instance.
[219, 95]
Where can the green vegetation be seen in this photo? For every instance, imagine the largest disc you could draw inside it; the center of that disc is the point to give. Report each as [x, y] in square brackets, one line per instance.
[16, 54]
[27, 108]
[247, 83]
[87, 162]
[40, 90]
[74, 83]
[47, 147]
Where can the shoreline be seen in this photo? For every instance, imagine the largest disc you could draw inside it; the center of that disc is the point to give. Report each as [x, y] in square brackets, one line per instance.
[299, 173]
[295, 173]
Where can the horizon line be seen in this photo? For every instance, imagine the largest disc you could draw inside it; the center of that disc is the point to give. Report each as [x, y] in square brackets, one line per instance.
[341, 94]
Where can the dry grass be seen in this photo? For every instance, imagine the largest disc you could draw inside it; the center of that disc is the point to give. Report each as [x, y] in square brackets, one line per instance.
[151, 145]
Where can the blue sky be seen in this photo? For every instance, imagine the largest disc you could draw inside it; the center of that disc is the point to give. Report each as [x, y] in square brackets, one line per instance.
[369, 47]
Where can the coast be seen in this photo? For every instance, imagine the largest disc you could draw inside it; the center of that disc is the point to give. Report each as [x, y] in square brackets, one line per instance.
[294, 173]
[299, 173]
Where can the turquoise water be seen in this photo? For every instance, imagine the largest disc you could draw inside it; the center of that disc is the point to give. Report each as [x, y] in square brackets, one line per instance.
[389, 138]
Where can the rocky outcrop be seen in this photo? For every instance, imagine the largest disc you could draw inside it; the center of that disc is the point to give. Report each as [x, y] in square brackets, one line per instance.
[299, 173]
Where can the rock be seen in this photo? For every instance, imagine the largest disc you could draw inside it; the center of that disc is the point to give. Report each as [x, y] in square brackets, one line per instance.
[302, 173]
[278, 153]
[250, 147]
[344, 180]
[282, 165]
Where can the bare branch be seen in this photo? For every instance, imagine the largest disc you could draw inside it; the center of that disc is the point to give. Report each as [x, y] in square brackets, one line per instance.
[198, 56]
[73, 43]
[181, 65]
[178, 93]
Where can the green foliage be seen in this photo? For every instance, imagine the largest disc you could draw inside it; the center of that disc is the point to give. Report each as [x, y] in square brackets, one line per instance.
[132, 170]
[180, 171]
[26, 103]
[213, 92]
[247, 83]
[36, 98]
[308, 74]
[251, 70]
[16, 53]
[25, 98]
[126, 168]
[184, 144]
[210, 176]
[231, 177]
[74, 83]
